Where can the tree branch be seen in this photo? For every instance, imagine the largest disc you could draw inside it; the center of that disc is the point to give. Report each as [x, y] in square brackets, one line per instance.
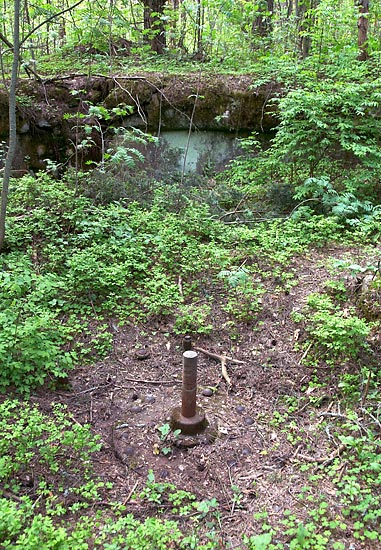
[224, 359]
[6, 41]
[54, 16]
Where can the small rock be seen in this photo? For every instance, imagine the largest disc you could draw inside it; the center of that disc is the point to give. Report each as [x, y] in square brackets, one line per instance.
[240, 409]
[142, 354]
[246, 451]
[249, 421]
[136, 409]
[150, 399]
[27, 480]
[42, 123]
[24, 128]
[129, 451]
[207, 392]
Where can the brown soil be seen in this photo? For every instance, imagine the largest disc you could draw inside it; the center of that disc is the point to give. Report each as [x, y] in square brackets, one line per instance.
[125, 399]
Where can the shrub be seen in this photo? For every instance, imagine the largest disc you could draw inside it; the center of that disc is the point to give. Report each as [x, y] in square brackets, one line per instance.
[22, 529]
[53, 451]
[31, 336]
[332, 331]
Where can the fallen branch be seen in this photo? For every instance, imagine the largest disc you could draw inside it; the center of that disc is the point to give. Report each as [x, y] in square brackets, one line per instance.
[151, 382]
[224, 372]
[223, 359]
[305, 353]
[130, 494]
[143, 381]
[94, 388]
[325, 459]
[180, 286]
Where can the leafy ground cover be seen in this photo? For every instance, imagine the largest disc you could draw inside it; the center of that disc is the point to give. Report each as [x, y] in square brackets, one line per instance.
[292, 457]
[275, 264]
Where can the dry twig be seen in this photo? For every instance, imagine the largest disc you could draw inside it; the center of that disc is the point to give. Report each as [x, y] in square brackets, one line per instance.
[223, 359]
[130, 494]
[305, 353]
[325, 459]
[366, 390]
[180, 286]
[143, 381]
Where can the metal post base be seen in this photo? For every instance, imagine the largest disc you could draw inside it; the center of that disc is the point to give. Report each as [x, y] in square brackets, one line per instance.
[188, 426]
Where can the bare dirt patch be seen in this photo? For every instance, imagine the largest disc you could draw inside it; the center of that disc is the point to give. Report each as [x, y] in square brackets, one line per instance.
[251, 463]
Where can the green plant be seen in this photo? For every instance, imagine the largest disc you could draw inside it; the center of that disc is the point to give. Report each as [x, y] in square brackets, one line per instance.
[278, 419]
[337, 289]
[317, 121]
[335, 332]
[244, 299]
[167, 437]
[154, 492]
[54, 451]
[160, 494]
[31, 336]
[151, 534]
[345, 206]
[115, 153]
[359, 487]
[207, 506]
[237, 497]
[193, 319]
[259, 542]
[22, 528]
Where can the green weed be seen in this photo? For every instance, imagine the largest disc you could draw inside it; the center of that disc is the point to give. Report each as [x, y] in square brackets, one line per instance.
[54, 452]
[332, 331]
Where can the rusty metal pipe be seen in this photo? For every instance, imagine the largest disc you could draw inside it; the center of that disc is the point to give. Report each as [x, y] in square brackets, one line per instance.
[187, 343]
[189, 389]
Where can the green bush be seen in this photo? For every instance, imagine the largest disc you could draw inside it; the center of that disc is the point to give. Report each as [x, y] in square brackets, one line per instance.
[331, 331]
[243, 293]
[329, 131]
[31, 336]
[326, 119]
[54, 451]
[21, 528]
[195, 319]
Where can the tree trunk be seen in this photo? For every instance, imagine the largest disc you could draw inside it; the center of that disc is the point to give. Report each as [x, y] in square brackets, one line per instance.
[12, 122]
[154, 24]
[363, 24]
[290, 6]
[262, 25]
[305, 19]
[183, 26]
[199, 50]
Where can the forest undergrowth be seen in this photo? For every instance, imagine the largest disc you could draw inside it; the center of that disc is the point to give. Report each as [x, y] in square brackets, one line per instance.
[97, 254]
[74, 269]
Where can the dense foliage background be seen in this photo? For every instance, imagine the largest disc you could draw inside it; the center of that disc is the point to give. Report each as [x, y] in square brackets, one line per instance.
[228, 31]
